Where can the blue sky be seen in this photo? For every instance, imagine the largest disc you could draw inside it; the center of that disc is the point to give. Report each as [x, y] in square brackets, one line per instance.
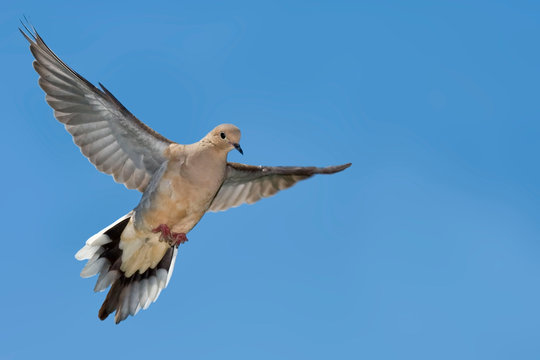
[426, 248]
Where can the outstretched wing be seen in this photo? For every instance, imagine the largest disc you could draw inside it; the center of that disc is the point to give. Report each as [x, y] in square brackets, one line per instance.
[248, 183]
[114, 140]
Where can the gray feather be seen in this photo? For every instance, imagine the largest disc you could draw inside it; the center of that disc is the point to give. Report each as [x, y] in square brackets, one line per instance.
[86, 109]
[248, 183]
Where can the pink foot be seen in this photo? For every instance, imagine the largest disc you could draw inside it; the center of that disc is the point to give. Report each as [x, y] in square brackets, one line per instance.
[172, 238]
[180, 238]
[163, 229]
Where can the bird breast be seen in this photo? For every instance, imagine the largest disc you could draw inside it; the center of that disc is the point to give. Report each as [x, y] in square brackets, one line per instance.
[183, 194]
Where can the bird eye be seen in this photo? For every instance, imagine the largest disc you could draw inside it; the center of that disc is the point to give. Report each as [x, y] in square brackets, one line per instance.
[222, 135]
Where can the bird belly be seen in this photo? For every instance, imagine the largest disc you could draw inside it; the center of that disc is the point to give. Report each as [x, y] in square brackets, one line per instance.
[179, 204]
[174, 206]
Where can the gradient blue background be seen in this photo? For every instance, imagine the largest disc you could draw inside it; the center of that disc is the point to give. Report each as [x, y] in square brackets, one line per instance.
[426, 248]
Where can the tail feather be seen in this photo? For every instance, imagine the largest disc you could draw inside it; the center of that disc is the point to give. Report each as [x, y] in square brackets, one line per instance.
[103, 237]
[127, 295]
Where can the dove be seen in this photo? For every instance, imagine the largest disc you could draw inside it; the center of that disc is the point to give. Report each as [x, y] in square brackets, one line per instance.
[134, 257]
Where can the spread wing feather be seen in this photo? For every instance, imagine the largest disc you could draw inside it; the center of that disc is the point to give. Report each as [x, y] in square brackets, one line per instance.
[248, 183]
[112, 138]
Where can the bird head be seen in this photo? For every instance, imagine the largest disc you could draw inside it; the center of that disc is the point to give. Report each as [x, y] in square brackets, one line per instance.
[225, 137]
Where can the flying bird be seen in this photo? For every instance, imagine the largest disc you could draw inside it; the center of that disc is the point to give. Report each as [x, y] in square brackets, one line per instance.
[135, 255]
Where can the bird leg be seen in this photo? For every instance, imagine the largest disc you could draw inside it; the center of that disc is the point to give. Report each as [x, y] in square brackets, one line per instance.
[172, 238]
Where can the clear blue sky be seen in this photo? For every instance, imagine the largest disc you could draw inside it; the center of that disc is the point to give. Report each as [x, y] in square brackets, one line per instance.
[426, 248]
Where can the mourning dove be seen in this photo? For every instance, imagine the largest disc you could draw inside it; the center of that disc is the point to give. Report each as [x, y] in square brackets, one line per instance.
[135, 255]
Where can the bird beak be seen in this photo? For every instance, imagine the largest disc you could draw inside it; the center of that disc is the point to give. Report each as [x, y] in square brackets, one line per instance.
[237, 147]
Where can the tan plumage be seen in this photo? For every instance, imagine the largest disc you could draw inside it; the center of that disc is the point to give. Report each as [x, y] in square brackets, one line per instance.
[180, 183]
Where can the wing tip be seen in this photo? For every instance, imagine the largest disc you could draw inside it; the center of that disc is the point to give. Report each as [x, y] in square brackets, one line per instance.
[336, 168]
[29, 31]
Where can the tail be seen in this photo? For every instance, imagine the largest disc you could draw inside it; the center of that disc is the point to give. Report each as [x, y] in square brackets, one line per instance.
[127, 294]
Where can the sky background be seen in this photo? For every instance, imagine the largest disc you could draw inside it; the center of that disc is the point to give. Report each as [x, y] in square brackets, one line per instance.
[428, 247]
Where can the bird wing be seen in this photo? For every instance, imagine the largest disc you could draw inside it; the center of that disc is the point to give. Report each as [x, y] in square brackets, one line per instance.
[248, 183]
[112, 138]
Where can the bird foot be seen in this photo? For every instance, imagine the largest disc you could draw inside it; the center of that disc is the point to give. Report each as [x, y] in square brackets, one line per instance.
[172, 238]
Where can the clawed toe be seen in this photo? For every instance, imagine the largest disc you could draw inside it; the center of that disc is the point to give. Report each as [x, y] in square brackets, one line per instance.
[179, 238]
[172, 238]
[163, 229]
